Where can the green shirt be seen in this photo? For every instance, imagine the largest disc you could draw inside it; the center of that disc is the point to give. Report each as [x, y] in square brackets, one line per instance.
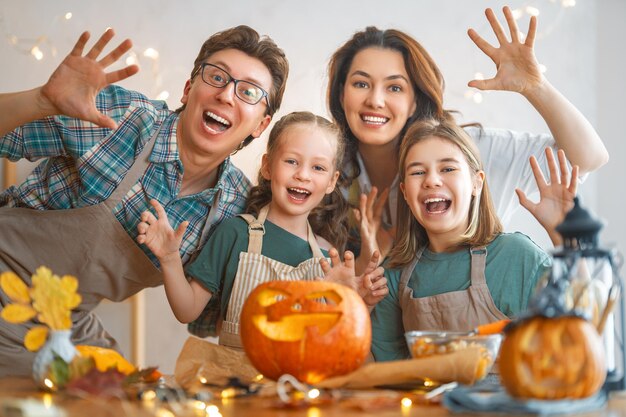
[514, 265]
[216, 266]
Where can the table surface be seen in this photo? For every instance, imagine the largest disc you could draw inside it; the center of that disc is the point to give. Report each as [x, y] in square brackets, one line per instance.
[16, 388]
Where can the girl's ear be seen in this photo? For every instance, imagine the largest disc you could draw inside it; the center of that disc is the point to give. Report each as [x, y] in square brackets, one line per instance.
[479, 180]
[265, 167]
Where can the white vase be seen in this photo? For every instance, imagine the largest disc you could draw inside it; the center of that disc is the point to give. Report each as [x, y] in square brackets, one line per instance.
[59, 344]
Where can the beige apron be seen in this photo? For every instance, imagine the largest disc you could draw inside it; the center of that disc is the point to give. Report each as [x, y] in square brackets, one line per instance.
[254, 269]
[88, 243]
[453, 311]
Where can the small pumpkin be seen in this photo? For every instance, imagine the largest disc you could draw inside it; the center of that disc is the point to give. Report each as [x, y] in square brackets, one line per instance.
[312, 330]
[552, 358]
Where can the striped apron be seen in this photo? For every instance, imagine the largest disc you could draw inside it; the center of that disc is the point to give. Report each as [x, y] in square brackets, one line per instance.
[254, 269]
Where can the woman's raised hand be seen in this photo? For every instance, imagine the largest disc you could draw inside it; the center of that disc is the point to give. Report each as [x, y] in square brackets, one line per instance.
[556, 197]
[517, 67]
[158, 235]
[72, 88]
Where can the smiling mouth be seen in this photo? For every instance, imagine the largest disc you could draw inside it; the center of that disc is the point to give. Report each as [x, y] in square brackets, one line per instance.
[437, 205]
[215, 122]
[298, 193]
[375, 120]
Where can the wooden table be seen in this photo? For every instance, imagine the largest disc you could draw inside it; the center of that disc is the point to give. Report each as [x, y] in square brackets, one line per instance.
[14, 388]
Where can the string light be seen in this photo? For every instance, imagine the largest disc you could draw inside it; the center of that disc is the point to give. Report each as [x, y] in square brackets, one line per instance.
[68, 15]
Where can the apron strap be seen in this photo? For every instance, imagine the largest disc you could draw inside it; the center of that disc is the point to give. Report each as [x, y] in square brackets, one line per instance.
[479, 261]
[408, 270]
[134, 173]
[256, 230]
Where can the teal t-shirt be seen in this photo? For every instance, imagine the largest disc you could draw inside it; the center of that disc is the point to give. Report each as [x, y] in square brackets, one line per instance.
[513, 267]
[216, 266]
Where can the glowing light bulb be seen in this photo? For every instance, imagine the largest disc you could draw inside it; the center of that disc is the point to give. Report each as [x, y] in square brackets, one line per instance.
[131, 60]
[151, 53]
[542, 68]
[36, 52]
[532, 11]
[478, 98]
[68, 15]
[314, 393]
[517, 13]
[406, 402]
[479, 76]
[48, 383]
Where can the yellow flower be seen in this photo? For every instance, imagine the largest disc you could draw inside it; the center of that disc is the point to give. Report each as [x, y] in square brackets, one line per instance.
[50, 299]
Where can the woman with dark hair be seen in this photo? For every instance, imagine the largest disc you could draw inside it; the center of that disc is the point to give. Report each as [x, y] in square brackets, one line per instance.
[380, 81]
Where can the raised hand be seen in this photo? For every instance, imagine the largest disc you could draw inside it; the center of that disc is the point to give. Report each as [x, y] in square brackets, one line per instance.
[158, 235]
[517, 67]
[556, 197]
[72, 88]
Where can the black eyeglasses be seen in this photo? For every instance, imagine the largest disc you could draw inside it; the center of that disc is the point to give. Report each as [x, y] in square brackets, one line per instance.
[244, 90]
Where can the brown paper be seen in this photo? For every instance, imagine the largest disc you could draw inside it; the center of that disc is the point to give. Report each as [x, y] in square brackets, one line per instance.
[460, 366]
[201, 359]
[214, 363]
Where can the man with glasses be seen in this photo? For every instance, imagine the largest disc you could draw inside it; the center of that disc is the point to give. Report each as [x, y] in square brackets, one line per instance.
[106, 152]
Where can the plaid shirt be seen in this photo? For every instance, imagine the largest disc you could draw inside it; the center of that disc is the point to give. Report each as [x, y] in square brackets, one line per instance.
[84, 163]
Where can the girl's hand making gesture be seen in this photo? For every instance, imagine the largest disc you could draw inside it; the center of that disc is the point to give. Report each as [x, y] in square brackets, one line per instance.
[158, 235]
[371, 284]
[374, 238]
[556, 197]
[517, 67]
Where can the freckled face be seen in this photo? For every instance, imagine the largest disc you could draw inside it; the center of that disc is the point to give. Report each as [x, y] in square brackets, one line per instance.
[377, 97]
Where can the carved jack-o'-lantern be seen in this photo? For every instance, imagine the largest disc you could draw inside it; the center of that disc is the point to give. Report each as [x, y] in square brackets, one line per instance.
[309, 329]
[552, 358]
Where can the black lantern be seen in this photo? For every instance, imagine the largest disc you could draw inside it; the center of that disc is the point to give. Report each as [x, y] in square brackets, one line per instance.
[584, 281]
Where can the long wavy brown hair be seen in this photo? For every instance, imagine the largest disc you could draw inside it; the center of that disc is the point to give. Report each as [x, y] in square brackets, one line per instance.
[483, 223]
[426, 80]
[329, 218]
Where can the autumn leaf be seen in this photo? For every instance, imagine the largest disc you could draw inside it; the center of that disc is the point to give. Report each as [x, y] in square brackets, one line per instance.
[18, 313]
[14, 287]
[35, 338]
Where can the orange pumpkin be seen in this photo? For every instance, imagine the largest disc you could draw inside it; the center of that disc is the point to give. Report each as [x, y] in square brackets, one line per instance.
[309, 329]
[552, 358]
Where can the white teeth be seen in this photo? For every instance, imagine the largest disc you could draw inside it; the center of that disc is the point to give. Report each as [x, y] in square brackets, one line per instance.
[217, 118]
[299, 190]
[374, 119]
[435, 200]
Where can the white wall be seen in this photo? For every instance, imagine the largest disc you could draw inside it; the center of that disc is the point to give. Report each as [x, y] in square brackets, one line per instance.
[573, 44]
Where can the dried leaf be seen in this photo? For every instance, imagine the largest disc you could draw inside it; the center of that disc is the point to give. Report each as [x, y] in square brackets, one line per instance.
[81, 365]
[14, 287]
[104, 384]
[35, 338]
[17, 313]
[106, 359]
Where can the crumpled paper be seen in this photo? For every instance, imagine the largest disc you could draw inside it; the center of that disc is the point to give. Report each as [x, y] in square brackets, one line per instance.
[202, 360]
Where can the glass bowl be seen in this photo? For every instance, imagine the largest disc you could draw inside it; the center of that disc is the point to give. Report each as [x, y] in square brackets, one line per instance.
[427, 343]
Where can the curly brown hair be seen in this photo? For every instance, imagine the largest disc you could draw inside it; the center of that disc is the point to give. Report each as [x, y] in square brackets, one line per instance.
[329, 218]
